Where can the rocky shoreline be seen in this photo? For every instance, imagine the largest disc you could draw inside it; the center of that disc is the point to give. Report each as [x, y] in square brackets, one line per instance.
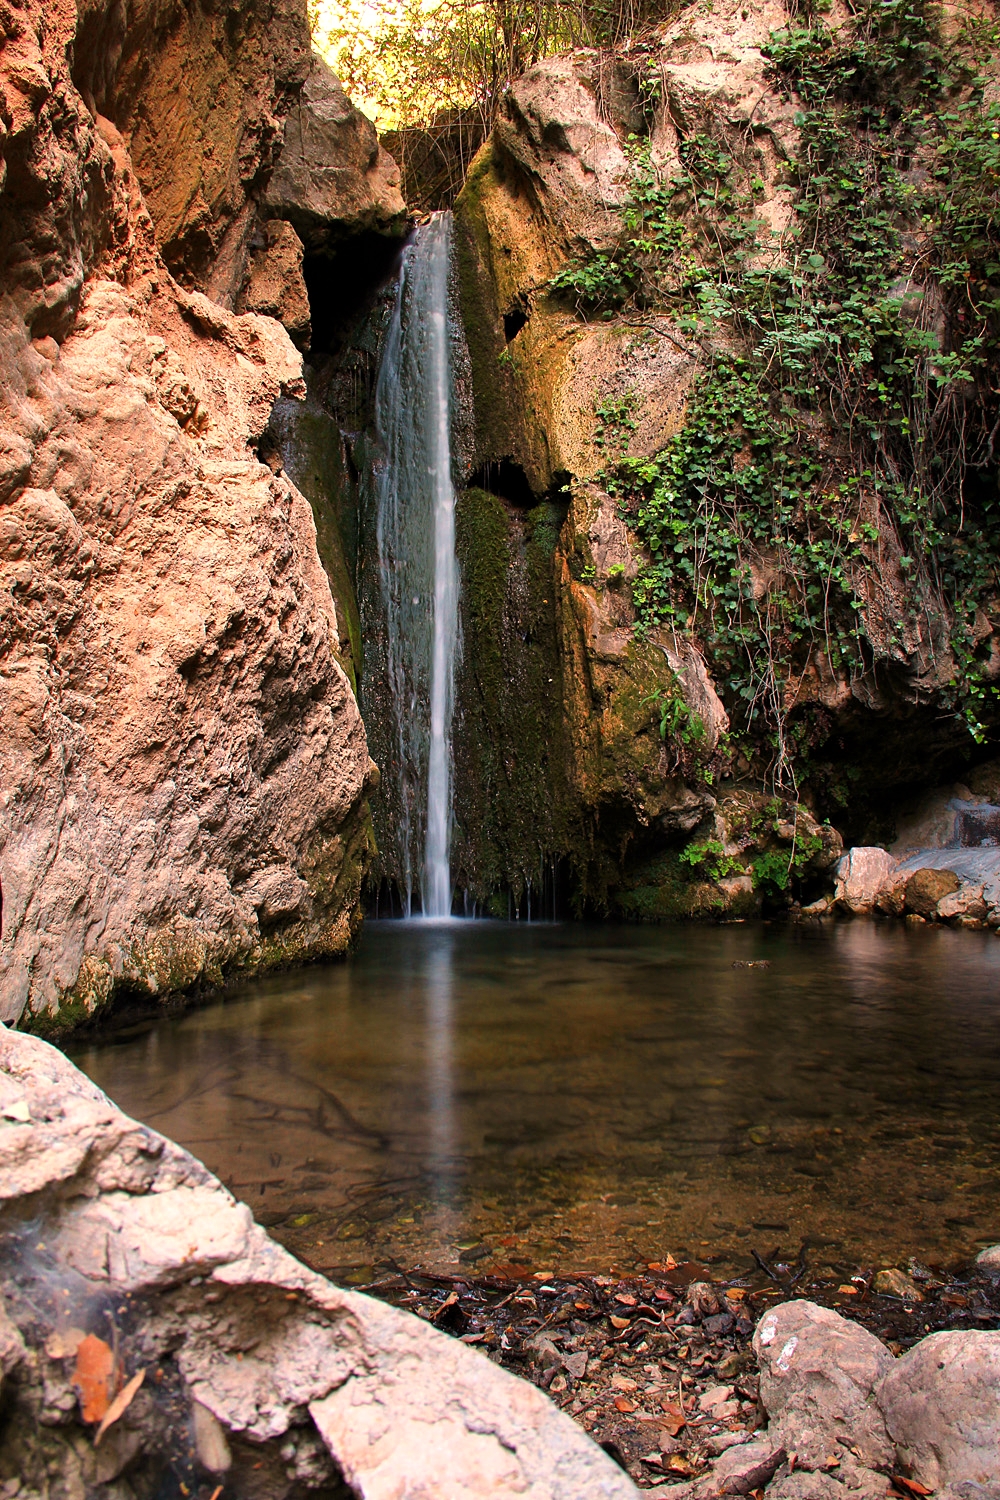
[666, 1372]
[155, 1341]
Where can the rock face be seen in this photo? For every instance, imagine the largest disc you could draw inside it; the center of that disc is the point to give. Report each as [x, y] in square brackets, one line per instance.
[198, 95]
[183, 764]
[563, 392]
[332, 178]
[259, 1374]
[207, 101]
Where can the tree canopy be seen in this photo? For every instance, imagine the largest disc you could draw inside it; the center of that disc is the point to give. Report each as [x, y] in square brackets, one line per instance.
[411, 62]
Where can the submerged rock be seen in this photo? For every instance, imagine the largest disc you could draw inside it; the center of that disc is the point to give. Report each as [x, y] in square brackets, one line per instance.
[256, 1369]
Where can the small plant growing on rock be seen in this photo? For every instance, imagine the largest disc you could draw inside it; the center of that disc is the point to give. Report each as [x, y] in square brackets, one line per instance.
[709, 858]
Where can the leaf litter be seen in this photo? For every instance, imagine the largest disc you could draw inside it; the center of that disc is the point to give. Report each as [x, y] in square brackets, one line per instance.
[633, 1357]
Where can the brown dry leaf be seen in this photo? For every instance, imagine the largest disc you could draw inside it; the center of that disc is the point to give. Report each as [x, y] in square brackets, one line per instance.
[618, 1322]
[678, 1464]
[847, 1291]
[449, 1301]
[625, 1297]
[120, 1404]
[674, 1418]
[624, 1405]
[736, 1293]
[92, 1377]
[910, 1486]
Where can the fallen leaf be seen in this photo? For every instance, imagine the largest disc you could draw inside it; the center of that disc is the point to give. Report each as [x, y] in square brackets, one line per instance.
[678, 1464]
[120, 1404]
[625, 1297]
[624, 1405]
[449, 1301]
[674, 1418]
[847, 1291]
[909, 1486]
[95, 1365]
[618, 1322]
[736, 1293]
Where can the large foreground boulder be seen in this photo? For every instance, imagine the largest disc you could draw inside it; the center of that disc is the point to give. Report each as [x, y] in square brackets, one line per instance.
[844, 1414]
[122, 1257]
[942, 1407]
[818, 1374]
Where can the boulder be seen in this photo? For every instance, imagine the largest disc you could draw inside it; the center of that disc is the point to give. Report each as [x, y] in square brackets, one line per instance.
[967, 1490]
[259, 1373]
[848, 1481]
[925, 888]
[967, 901]
[861, 874]
[818, 1374]
[275, 286]
[332, 177]
[941, 1403]
[988, 1260]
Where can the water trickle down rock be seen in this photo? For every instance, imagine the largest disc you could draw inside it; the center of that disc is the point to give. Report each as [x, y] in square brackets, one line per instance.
[409, 584]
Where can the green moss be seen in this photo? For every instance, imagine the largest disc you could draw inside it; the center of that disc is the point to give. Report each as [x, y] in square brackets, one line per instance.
[512, 757]
[316, 465]
[655, 891]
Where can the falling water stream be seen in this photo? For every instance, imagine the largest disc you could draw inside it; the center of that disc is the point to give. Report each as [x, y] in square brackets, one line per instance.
[412, 495]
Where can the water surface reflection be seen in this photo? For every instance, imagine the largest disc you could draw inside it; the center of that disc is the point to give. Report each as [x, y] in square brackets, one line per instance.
[579, 1097]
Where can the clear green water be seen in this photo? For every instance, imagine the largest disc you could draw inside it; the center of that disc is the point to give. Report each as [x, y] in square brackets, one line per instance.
[585, 1098]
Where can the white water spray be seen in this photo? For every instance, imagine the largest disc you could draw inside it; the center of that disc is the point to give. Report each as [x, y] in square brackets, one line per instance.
[418, 569]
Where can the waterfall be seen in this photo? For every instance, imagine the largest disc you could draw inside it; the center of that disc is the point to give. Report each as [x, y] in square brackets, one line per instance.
[410, 678]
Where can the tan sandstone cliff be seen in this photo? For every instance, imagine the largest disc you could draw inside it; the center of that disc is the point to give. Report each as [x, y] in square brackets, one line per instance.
[183, 768]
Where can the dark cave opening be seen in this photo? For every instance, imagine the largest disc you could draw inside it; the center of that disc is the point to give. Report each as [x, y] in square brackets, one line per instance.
[507, 480]
[343, 283]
